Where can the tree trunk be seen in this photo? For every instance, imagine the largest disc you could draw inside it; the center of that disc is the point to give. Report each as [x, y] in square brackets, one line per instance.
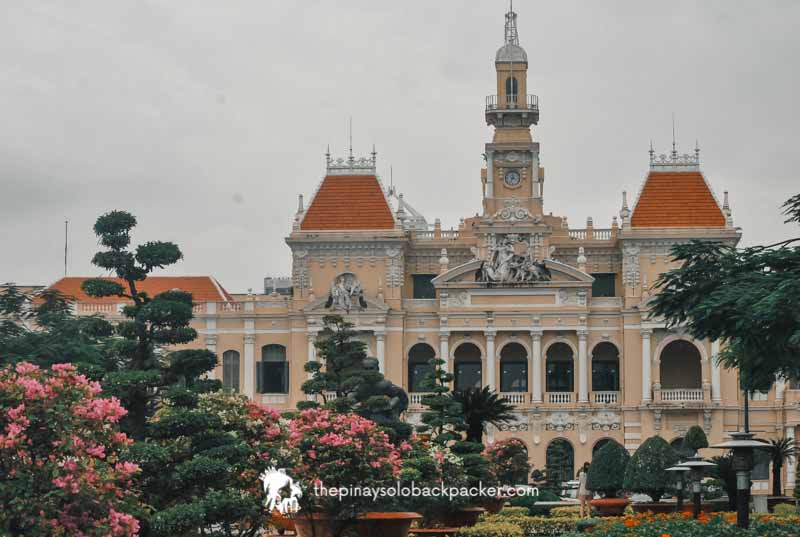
[777, 489]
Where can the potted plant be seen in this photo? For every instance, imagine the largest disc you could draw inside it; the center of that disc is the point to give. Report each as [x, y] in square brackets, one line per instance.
[334, 451]
[508, 466]
[646, 474]
[606, 475]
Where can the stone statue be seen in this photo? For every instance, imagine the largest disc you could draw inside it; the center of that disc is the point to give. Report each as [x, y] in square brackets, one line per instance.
[506, 266]
[346, 293]
[398, 398]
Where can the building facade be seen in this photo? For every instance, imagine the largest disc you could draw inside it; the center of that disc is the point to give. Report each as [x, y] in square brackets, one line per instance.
[555, 318]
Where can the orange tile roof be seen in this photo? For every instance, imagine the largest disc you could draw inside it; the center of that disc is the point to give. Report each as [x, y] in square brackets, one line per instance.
[676, 199]
[202, 288]
[348, 202]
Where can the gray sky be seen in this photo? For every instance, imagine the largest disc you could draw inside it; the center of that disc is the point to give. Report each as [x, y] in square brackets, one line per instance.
[206, 118]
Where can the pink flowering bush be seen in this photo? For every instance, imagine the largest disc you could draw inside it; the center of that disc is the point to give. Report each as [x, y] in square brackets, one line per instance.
[60, 469]
[508, 461]
[341, 450]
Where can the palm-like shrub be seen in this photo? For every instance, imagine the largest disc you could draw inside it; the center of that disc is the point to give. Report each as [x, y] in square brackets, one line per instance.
[646, 472]
[482, 407]
[607, 470]
[780, 450]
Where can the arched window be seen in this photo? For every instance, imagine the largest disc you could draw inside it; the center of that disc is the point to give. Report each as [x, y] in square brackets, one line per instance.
[467, 367]
[560, 462]
[513, 368]
[560, 368]
[600, 443]
[511, 90]
[230, 370]
[272, 372]
[680, 366]
[419, 366]
[605, 368]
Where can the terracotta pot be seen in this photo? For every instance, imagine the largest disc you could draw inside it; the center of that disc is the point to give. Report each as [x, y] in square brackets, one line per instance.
[457, 518]
[610, 506]
[281, 523]
[385, 524]
[655, 508]
[316, 525]
[494, 505]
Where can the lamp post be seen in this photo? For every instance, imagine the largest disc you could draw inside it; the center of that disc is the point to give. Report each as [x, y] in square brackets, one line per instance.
[742, 446]
[696, 466]
[679, 471]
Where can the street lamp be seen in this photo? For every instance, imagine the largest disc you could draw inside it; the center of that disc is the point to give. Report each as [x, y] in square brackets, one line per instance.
[742, 446]
[697, 467]
[679, 471]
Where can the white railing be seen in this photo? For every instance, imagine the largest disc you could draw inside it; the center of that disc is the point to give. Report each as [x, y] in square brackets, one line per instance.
[97, 307]
[682, 394]
[445, 234]
[596, 235]
[577, 234]
[759, 396]
[515, 398]
[416, 398]
[602, 234]
[559, 397]
[450, 234]
[229, 306]
[605, 398]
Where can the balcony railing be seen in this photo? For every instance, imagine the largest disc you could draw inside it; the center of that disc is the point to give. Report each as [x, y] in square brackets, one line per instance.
[559, 397]
[512, 102]
[416, 399]
[590, 235]
[605, 398]
[515, 398]
[682, 394]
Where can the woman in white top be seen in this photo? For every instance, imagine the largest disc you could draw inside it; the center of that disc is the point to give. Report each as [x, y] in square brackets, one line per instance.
[583, 493]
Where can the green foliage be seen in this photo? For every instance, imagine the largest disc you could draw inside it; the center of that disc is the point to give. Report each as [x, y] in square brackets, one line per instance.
[513, 511]
[607, 470]
[694, 440]
[476, 467]
[508, 461]
[567, 511]
[646, 471]
[559, 464]
[785, 510]
[443, 416]
[529, 502]
[480, 407]
[780, 449]
[492, 529]
[536, 525]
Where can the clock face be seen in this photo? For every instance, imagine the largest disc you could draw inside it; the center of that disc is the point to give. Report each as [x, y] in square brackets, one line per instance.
[512, 178]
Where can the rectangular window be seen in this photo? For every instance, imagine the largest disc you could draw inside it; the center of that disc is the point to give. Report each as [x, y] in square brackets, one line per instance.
[468, 376]
[423, 288]
[272, 377]
[604, 284]
[514, 377]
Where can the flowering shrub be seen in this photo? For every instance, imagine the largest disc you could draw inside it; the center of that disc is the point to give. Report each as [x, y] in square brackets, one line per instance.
[60, 467]
[535, 525]
[341, 450]
[508, 461]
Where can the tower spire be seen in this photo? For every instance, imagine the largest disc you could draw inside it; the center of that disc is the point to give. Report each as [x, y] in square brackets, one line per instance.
[511, 37]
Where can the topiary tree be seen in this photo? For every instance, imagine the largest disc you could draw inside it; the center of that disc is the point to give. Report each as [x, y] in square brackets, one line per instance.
[607, 471]
[694, 440]
[443, 416]
[646, 471]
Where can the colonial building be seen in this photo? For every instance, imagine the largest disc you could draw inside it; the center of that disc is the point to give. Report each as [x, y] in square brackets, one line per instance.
[553, 317]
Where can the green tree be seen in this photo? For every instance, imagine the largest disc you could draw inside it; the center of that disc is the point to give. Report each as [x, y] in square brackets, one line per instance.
[481, 407]
[725, 473]
[607, 471]
[144, 368]
[780, 450]
[646, 471]
[746, 298]
[694, 440]
[443, 416]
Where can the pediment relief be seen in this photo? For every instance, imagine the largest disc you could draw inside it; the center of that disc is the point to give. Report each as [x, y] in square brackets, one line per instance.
[469, 275]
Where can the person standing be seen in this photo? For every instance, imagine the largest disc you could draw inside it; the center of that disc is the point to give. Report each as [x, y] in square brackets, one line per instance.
[583, 493]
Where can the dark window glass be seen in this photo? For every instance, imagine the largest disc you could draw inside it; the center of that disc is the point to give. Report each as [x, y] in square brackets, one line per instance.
[423, 288]
[761, 460]
[604, 284]
[560, 368]
[230, 370]
[468, 375]
[514, 377]
[605, 368]
[419, 367]
[511, 90]
[272, 372]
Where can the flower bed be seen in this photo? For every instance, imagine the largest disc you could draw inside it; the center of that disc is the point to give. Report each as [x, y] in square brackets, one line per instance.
[532, 525]
[720, 525]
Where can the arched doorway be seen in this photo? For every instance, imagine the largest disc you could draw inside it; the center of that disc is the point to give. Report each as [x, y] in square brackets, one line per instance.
[605, 367]
[680, 366]
[560, 368]
[467, 361]
[419, 366]
[513, 368]
[560, 462]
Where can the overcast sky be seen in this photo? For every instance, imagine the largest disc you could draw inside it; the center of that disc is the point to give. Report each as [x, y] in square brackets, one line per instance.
[206, 119]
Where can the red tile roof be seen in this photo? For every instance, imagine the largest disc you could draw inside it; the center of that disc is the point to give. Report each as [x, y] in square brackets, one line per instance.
[202, 288]
[348, 202]
[676, 199]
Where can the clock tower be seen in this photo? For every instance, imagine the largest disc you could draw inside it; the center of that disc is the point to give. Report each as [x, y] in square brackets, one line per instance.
[513, 178]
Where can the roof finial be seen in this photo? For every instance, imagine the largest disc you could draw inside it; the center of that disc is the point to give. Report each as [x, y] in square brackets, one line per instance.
[697, 150]
[674, 147]
[328, 155]
[652, 152]
[511, 37]
[374, 155]
[350, 137]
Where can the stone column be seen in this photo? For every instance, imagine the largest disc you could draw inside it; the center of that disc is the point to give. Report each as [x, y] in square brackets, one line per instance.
[791, 463]
[536, 347]
[716, 383]
[490, 361]
[444, 350]
[312, 350]
[249, 366]
[583, 368]
[490, 174]
[647, 360]
[380, 350]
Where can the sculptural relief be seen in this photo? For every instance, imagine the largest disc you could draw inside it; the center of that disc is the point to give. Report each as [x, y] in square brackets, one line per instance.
[346, 293]
[506, 266]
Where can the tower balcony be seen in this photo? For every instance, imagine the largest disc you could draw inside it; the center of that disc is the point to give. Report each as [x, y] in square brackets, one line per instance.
[512, 110]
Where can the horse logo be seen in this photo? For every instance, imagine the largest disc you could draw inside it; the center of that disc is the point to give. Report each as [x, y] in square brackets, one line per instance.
[275, 481]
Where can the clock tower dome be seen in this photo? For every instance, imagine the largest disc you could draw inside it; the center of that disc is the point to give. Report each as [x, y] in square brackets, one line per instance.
[514, 179]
